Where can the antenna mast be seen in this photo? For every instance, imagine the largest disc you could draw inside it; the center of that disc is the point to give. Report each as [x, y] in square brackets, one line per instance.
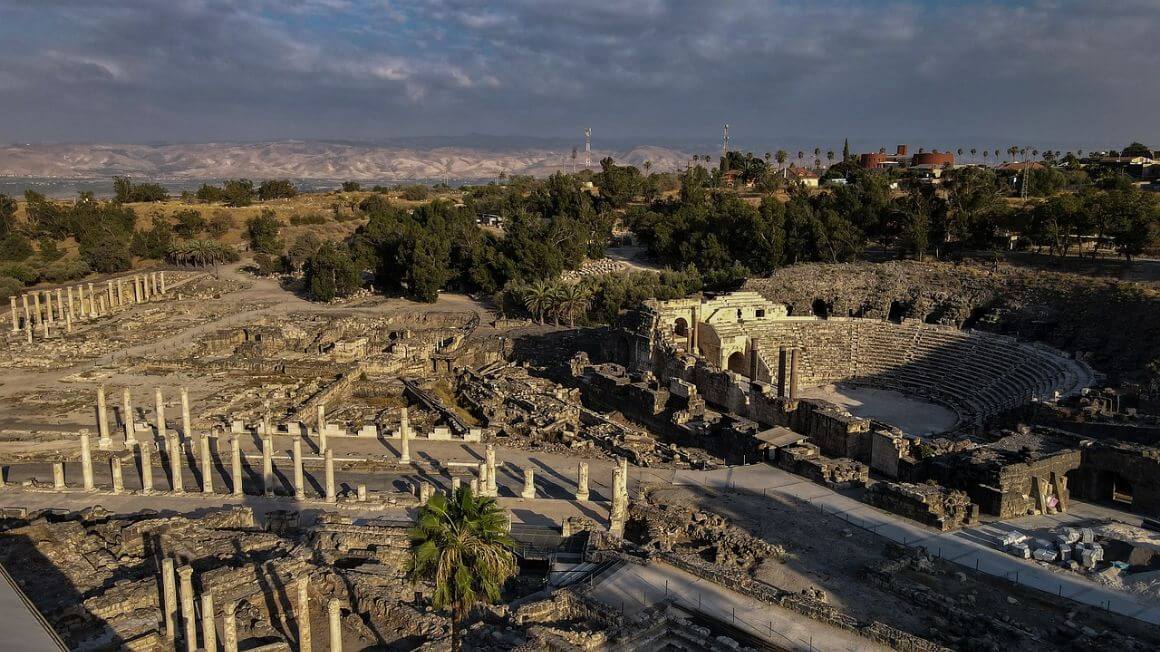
[588, 147]
[725, 147]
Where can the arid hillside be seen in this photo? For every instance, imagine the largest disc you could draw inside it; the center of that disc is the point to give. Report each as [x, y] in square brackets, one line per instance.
[303, 160]
[1116, 323]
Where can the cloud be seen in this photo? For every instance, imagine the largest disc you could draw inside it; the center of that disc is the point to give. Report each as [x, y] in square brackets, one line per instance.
[781, 73]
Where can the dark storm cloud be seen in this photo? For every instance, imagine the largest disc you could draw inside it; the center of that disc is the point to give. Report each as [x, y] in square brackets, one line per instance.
[779, 72]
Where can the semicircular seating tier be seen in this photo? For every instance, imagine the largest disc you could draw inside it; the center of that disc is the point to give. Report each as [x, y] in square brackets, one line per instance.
[975, 374]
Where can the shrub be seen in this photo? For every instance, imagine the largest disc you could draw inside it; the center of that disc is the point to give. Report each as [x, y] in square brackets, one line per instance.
[10, 287]
[15, 246]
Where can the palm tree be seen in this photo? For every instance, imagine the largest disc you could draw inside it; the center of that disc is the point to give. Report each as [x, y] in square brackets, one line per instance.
[830, 156]
[647, 167]
[781, 157]
[540, 299]
[801, 156]
[881, 150]
[461, 545]
[974, 153]
[817, 163]
[573, 300]
[959, 151]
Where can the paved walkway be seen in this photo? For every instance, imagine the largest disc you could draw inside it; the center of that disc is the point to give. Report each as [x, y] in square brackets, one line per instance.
[971, 547]
[633, 588]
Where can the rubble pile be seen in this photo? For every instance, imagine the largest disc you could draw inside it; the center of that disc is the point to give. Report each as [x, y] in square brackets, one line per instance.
[669, 528]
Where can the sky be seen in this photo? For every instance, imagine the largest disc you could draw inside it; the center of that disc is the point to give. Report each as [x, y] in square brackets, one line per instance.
[1047, 73]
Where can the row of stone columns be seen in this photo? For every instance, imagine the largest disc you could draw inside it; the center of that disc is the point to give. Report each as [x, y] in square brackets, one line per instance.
[175, 450]
[43, 309]
[127, 418]
[172, 602]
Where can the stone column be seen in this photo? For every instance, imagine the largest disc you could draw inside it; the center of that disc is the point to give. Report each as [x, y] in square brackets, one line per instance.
[299, 485]
[102, 309]
[328, 457]
[208, 626]
[159, 411]
[186, 422]
[230, 627]
[582, 481]
[236, 465]
[48, 307]
[153, 282]
[115, 469]
[175, 450]
[188, 619]
[456, 483]
[102, 419]
[71, 309]
[145, 287]
[623, 461]
[15, 316]
[618, 513]
[794, 355]
[58, 476]
[120, 293]
[164, 288]
[44, 328]
[206, 466]
[127, 417]
[362, 493]
[529, 484]
[480, 482]
[268, 466]
[303, 614]
[404, 438]
[109, 284]
[334, 613]
[28, 330]
[36, 308]
[92, 301]
[146, 449]
[321, 427]
[474, 484]
[68, 322]
[86, 461]
[492, 490]
[169, 598]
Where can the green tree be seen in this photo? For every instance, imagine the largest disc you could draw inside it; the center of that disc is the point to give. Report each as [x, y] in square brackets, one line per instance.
[276, 189]
[781, 157]
[573, 300]
[1136, 149]
[351, 186]
[189, 223]
[15, 247]
[7, 214]
[262, 232]
[540, 298]
[330, 273]
[462, 546]
[238, 192]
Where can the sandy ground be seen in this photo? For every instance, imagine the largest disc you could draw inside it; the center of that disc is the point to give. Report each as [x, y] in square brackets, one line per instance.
[913, 416]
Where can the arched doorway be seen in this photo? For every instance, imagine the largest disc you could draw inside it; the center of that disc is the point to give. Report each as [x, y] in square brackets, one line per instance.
[681, 327]
[821, 309]
[739, 363]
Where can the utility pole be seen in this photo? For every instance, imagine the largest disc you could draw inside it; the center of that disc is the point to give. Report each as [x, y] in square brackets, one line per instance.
[588, 147]
[725, 148]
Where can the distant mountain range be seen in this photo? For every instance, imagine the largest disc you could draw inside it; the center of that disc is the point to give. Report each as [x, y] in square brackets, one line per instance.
[313, 160]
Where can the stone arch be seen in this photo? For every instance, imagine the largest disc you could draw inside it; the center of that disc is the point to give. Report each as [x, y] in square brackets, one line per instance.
[820, 309]
[681, 327]
[738, 363]
[898, 311]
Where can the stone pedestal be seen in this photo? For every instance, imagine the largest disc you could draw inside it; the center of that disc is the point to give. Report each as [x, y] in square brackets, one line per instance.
[58, 476]
[115, 471]
[491, 490]
[529, 491]
[404, 437]
[582, 481]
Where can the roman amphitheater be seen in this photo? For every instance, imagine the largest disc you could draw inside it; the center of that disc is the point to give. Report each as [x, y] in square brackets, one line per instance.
[976, 375]
[202, 461]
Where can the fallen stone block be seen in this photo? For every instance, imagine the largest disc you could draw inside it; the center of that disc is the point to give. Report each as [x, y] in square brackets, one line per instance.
[1044, 554]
